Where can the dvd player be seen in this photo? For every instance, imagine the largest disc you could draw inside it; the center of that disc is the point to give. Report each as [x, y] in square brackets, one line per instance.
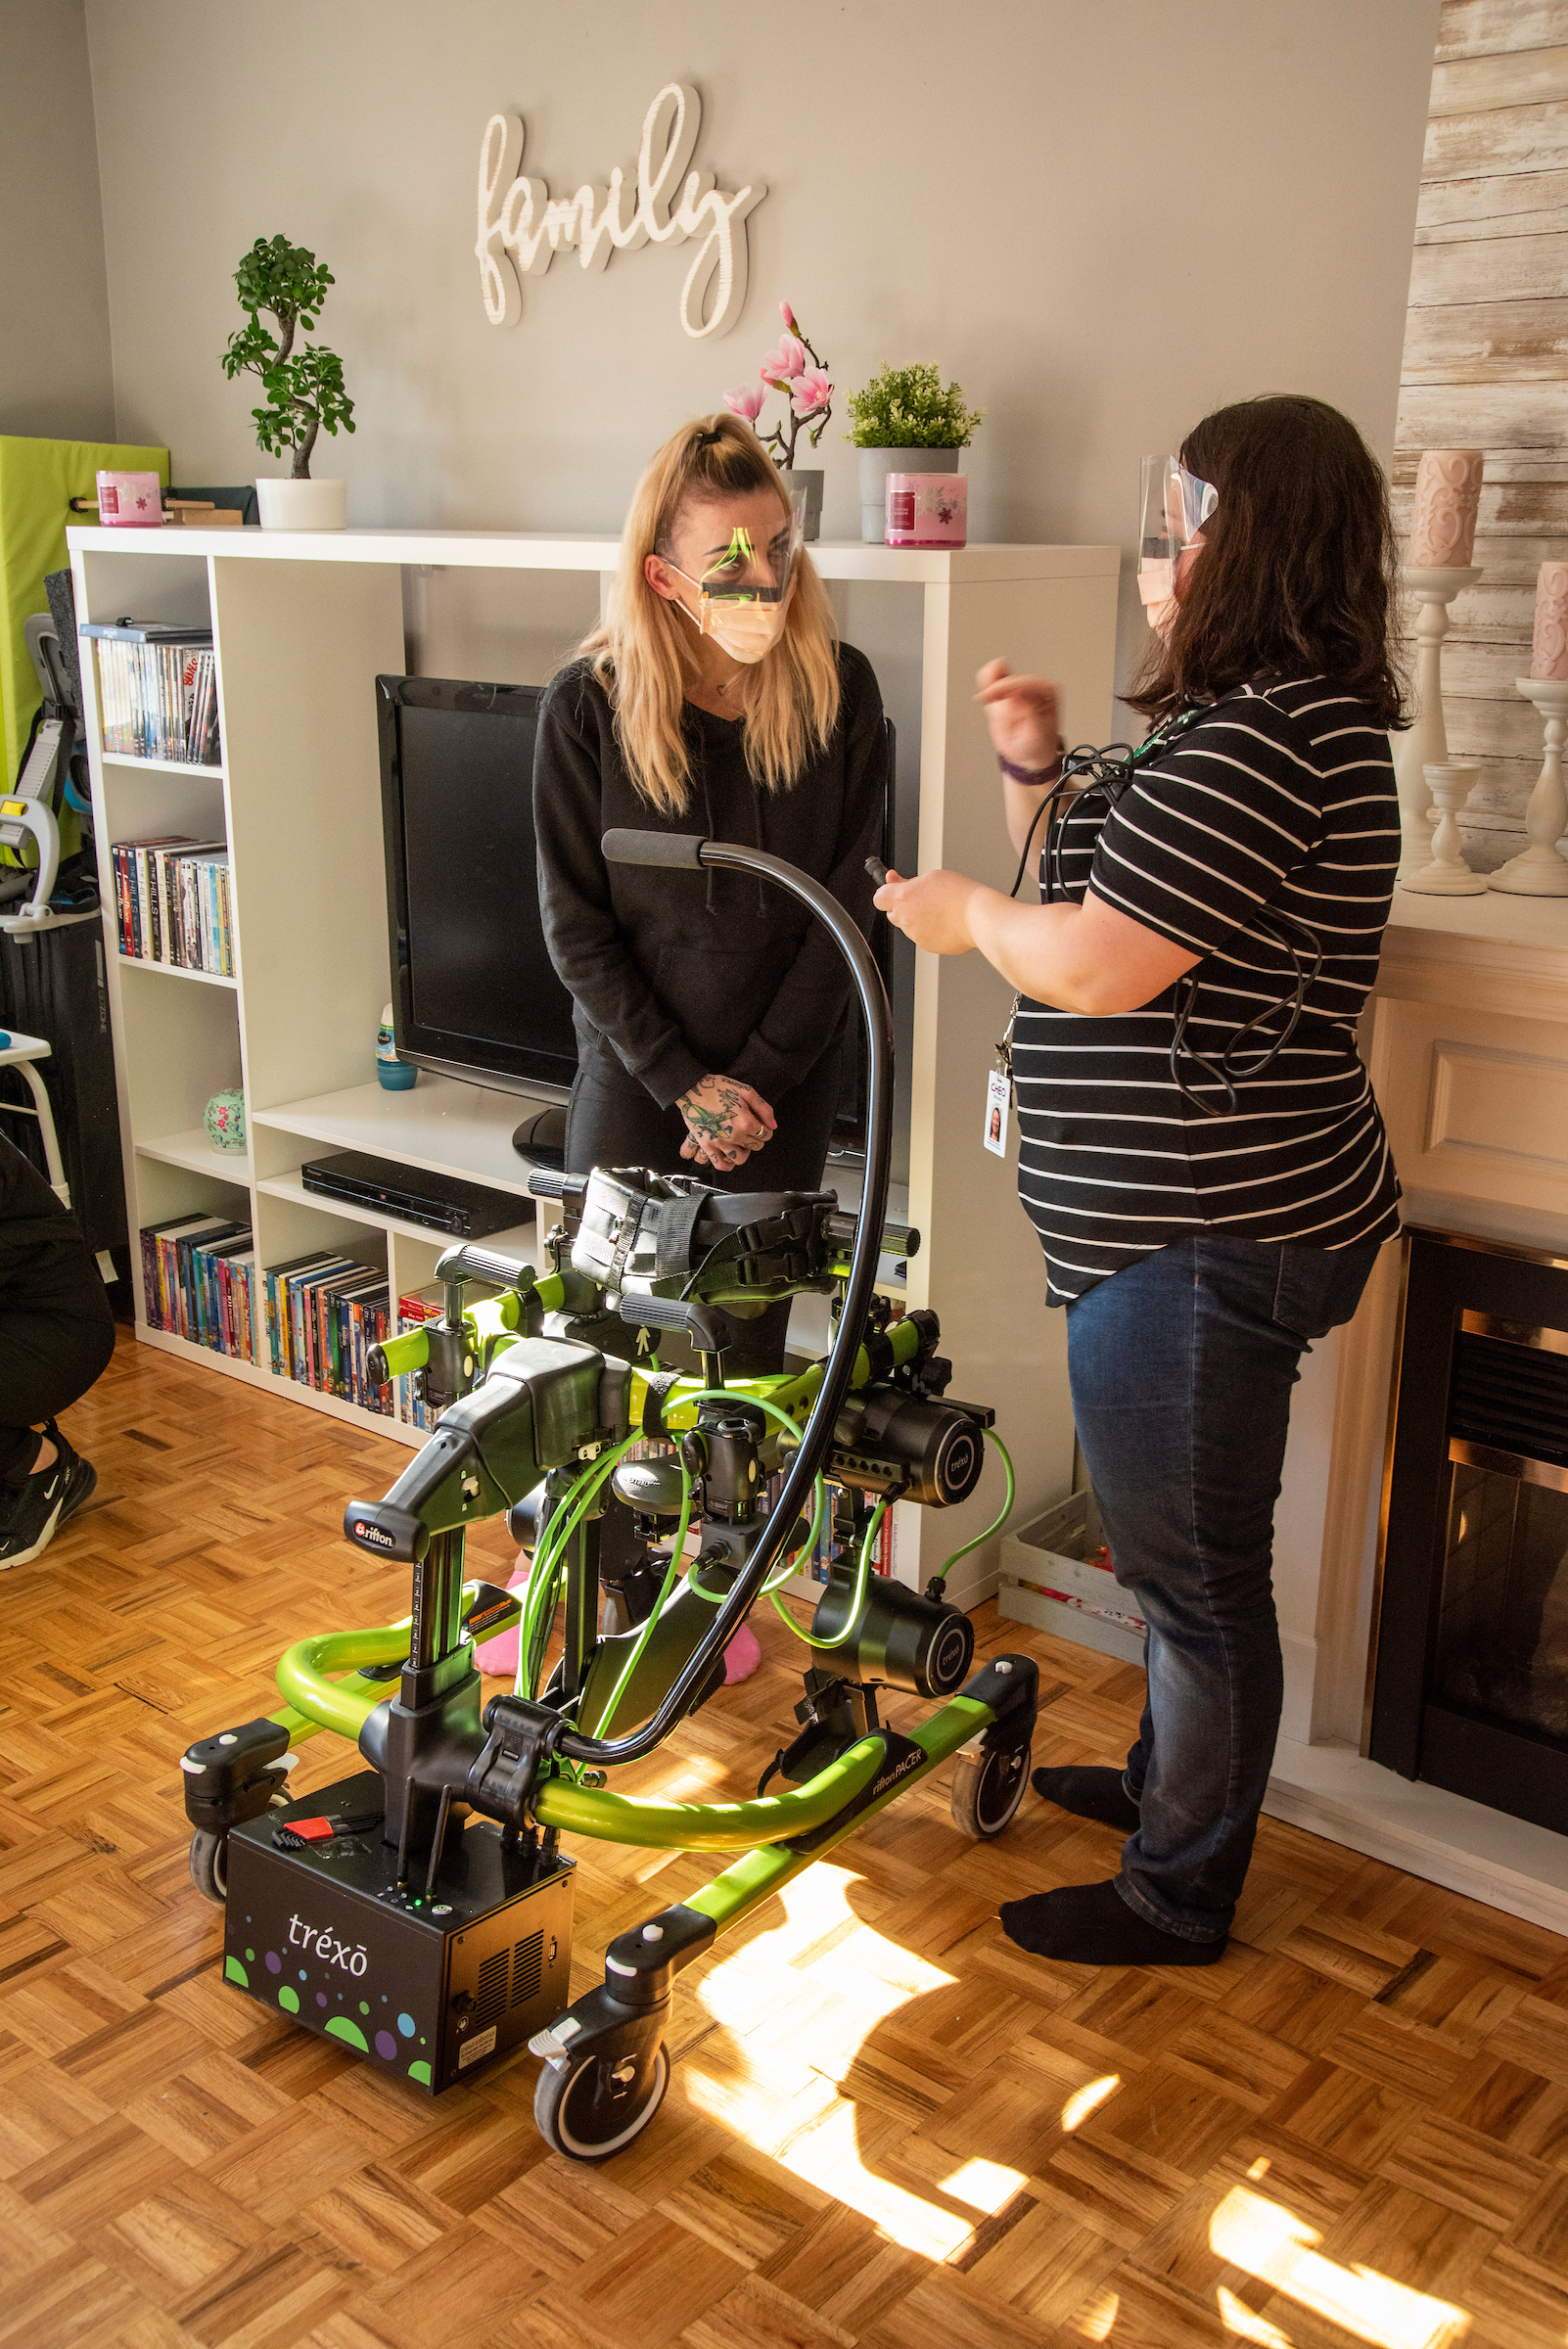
[466, 1211]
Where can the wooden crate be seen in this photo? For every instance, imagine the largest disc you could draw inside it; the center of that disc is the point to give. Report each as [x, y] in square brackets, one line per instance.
[1048, 1580]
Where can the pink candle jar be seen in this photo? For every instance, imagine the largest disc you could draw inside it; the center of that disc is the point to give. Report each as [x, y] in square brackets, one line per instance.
[130, 501]
[927, 509]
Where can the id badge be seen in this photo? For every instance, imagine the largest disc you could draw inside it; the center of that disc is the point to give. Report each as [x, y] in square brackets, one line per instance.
[998, 1104]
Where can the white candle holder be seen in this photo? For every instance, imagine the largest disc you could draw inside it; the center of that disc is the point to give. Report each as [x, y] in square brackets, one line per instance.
[1426, 743]
[1541, 871]
[1447, 875]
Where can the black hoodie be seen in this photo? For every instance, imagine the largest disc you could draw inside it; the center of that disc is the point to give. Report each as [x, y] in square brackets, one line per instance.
[688, 975]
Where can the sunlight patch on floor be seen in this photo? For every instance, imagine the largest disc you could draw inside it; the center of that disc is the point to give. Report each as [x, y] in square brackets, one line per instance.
[1087, 2099]
[871, 1967]
[825, 2154]
[1269, 2241]
[984, 2185]
[863, 1968]
[863, 1977]
[1095, 2322]
[1244, 2322]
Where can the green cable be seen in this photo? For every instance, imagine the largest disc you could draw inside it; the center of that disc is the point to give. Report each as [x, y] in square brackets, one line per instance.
[549, 1559]
[997, 1522]
[861, 1578]
[713, 1598]
[862, 1574]
[602, 1728]
[541, 1573]
[549, 1565]
[775, 1582]
[545, 1572]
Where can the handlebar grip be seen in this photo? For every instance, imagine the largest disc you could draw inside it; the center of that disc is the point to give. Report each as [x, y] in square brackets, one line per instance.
[545, 1183]
[897, 1239]
[708, 1327]
[655, 1312]
[682, 849]
[395, 1355]
[482, 1263]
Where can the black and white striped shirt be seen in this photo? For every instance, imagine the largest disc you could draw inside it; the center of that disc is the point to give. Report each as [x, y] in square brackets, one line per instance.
[1280, 796]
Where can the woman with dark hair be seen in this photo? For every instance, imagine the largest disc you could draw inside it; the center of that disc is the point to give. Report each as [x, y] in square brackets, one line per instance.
[1200, 1149]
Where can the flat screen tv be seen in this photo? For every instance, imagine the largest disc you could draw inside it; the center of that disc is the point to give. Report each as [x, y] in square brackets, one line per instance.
[474, 994]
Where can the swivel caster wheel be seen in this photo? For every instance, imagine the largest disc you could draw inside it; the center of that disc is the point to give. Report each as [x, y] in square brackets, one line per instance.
[210, 1866]
[596, 2107]
[987, 1791]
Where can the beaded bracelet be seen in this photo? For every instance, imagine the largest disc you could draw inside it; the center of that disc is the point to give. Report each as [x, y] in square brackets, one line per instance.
[1033, 776]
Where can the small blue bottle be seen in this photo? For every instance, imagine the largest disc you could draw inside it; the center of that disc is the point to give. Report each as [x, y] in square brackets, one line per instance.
[398, 1076]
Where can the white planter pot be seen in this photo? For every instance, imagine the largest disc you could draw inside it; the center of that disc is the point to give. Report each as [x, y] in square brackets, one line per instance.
[289, 505]
[875, 466]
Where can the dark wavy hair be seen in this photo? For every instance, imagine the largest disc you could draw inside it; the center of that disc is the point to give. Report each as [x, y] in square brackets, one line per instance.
[1297, 573]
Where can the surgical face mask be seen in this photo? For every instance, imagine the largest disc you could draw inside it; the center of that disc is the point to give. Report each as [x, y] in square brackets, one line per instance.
[746, 631]
[744, 594]
[1176, 506]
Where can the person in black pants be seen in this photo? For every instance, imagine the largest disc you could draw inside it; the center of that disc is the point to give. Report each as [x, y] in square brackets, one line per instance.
[57, 1335]
[710, 1009]
[1201, 1151]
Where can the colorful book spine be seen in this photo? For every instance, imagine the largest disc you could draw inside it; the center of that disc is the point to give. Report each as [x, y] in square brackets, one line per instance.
[195, 1276]
[322, 1314]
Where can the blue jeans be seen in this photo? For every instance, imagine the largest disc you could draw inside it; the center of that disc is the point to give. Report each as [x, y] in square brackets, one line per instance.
[1181, 1367]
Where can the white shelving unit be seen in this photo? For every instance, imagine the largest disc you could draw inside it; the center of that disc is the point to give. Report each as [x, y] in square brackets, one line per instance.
[303, 624]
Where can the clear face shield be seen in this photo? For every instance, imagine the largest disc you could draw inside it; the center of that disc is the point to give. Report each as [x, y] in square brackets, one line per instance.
[743, 592]
[1175, 507]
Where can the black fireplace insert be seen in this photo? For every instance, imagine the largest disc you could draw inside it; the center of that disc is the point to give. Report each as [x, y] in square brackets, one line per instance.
[1469, 1684]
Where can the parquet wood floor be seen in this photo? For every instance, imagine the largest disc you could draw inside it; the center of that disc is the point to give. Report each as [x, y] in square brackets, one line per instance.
[886, 2127]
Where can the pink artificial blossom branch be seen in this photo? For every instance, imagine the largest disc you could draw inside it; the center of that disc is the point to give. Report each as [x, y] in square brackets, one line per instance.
[807, 390]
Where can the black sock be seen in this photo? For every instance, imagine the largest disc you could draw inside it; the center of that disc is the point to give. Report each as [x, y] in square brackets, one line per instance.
[1089, 1794]
[1090, 1924]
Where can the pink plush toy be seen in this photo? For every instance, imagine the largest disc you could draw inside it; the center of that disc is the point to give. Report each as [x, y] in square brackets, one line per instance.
[499, 1655]
[742, 1656]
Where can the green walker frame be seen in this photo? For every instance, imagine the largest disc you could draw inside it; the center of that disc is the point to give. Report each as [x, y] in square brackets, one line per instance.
[526, 1396]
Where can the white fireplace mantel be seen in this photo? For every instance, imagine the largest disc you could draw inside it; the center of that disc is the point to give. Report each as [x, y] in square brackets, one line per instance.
[1467, 1037]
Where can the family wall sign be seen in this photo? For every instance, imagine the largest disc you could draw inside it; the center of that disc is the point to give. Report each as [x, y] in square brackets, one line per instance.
[522, 226]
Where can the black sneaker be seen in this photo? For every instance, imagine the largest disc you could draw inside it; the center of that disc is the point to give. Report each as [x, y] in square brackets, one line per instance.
[32, 1512]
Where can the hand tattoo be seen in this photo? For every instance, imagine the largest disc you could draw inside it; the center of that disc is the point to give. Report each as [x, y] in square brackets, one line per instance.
[714, 1125]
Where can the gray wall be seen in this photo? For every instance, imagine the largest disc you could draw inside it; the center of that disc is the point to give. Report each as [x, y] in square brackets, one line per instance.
[1103, 220]
[55, 376]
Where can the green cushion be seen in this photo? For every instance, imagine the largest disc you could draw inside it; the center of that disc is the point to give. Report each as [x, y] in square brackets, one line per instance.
[38, 479]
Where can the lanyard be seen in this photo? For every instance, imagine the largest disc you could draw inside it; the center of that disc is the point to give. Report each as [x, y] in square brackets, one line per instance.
[1085, 769]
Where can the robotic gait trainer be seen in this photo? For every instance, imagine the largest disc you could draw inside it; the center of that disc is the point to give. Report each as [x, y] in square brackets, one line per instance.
[420, 1911]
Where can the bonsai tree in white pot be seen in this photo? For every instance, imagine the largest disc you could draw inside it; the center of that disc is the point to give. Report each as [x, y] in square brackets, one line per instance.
[304, 390]
[905, 422]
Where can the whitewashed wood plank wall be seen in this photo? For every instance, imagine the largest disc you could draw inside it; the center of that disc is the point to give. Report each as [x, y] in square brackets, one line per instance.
[1486, 366]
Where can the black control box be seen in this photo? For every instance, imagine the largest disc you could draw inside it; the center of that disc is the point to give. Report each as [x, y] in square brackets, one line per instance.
[430, 1988]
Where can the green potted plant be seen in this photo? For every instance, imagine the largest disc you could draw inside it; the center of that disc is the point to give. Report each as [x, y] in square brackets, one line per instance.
[303, 388]
[904, 422]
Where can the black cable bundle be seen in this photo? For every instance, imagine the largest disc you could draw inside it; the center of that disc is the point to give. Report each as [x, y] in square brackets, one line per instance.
[1108, 773]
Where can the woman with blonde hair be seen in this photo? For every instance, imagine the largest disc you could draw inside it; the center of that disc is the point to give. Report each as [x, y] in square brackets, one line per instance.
[713, 698]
